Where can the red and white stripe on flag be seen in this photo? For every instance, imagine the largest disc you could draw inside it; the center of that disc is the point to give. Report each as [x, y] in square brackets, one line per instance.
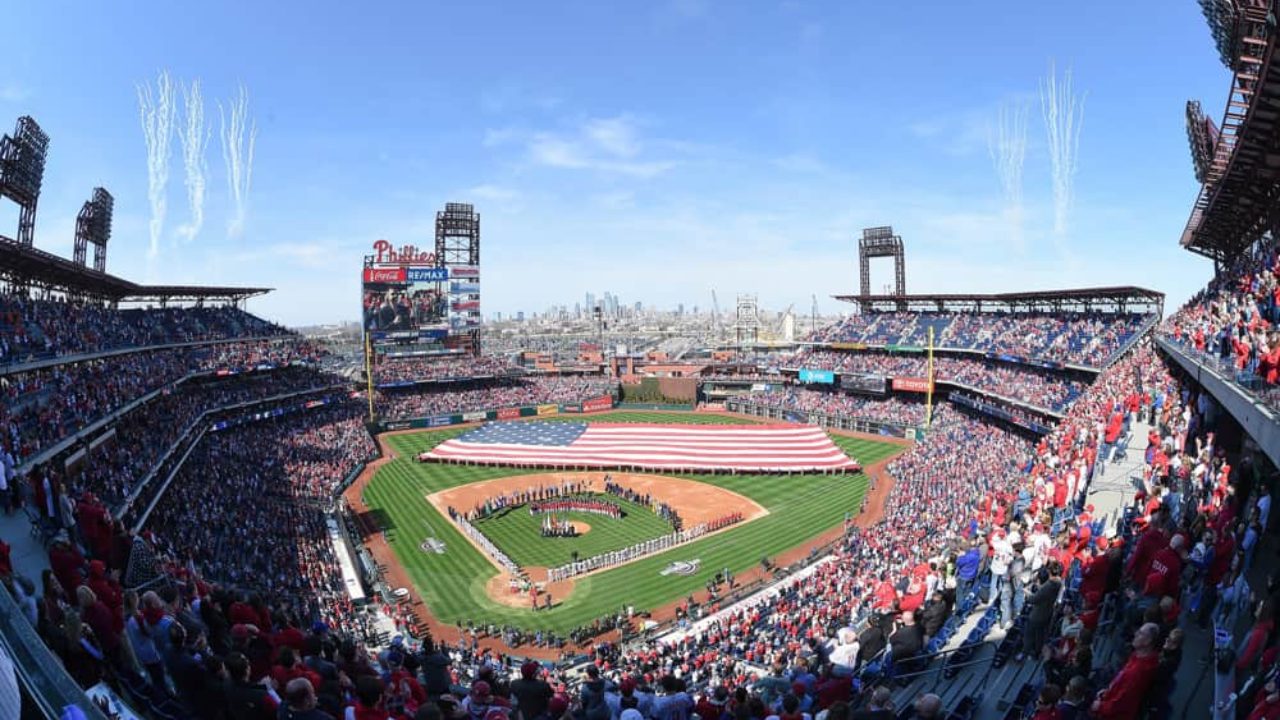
[765, 448]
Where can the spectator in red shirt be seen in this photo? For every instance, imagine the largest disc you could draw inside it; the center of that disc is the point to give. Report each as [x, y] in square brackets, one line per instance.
[1122, 699]
[1165, 570]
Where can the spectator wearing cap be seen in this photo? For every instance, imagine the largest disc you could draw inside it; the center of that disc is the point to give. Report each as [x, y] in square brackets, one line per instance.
[713, 705]
[480, 701]
[531, 692]
[141, 640]
[631, 695]
[300, 702]
[403, 692]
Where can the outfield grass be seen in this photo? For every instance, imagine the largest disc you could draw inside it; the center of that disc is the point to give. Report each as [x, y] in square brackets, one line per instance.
[518, 533]
[453, 584]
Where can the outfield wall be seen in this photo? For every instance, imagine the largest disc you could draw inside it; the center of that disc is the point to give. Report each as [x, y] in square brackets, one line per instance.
[596, 404]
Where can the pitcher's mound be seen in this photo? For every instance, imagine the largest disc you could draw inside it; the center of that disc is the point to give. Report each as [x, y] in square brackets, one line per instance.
[580, 528]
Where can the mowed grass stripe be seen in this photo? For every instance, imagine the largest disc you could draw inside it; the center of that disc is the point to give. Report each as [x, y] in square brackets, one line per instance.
[453, 584]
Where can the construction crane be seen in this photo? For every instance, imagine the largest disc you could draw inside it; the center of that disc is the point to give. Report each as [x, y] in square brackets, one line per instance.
[715, 314]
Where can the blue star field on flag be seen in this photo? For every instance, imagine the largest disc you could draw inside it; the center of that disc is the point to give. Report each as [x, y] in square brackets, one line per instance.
[547, 434]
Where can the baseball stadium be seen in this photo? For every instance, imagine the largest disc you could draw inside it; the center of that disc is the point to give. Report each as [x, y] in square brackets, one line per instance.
[1002, 481]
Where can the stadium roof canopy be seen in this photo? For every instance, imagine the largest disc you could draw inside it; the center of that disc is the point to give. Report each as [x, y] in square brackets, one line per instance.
[1237, 199]
[22, 265]
[1126, 298]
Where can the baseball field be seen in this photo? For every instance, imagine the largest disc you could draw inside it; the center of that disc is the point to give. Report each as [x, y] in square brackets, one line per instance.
[456, 583]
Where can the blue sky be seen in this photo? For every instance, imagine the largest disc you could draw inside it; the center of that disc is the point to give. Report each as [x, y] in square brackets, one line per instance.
[656, 149]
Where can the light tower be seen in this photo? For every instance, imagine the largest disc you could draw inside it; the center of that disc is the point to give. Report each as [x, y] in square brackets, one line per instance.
[881, 242]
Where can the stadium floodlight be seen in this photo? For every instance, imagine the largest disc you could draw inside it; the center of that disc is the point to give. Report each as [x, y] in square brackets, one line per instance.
[93, 227]
[22, 157]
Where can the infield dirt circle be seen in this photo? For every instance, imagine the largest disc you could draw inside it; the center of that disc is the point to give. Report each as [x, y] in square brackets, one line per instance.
[694, 501]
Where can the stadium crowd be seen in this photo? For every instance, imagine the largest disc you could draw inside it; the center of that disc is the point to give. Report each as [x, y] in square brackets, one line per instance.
[249, 620]
[281, 477]
[1034, 386]
[1234, 317]
[409, 370]
[42, 406]
[1012, 540]
[834, 402]
[112, 470]
[35, 329]
[1091, 340]
[489, 395]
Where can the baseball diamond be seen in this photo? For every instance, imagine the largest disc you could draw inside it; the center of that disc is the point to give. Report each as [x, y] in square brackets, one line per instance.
[459, 585]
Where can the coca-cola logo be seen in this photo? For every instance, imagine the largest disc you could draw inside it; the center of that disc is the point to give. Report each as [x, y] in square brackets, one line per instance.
[383, 275]
[404, 255]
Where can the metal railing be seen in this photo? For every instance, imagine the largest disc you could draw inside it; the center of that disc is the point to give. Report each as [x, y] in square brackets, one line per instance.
[1249, 383]
[40, 673]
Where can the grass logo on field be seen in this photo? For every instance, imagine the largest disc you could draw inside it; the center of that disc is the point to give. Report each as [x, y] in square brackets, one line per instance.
[432, 545]
[682, 567]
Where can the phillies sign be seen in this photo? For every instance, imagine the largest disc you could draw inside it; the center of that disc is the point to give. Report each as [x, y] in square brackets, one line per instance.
[386, 254]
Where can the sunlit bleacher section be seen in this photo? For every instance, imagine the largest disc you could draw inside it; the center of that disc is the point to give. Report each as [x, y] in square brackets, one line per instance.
[1084, 328]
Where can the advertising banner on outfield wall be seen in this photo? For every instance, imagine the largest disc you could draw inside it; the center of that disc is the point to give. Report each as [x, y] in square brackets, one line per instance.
[475, 416]
[604, 402]
[548, 409]
[808, 375]
[442, 420]
[848, 346]
[571, 408]
[920, 385]
[508, 413]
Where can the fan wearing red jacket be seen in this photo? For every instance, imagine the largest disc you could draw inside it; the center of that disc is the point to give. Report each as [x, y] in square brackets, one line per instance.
[1166, 570]
[1122, 699]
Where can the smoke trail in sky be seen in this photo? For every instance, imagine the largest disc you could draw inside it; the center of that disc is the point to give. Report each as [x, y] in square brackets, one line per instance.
[194, 135]
[239, 134]
[157, 111]
[1007, 144]
[1063, 113]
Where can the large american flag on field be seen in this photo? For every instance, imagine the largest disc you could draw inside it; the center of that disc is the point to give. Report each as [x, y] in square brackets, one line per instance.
[765, 448]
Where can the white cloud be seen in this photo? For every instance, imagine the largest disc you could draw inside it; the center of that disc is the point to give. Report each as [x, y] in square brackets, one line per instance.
[12, 92]
[607, 145]
[616, 136]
